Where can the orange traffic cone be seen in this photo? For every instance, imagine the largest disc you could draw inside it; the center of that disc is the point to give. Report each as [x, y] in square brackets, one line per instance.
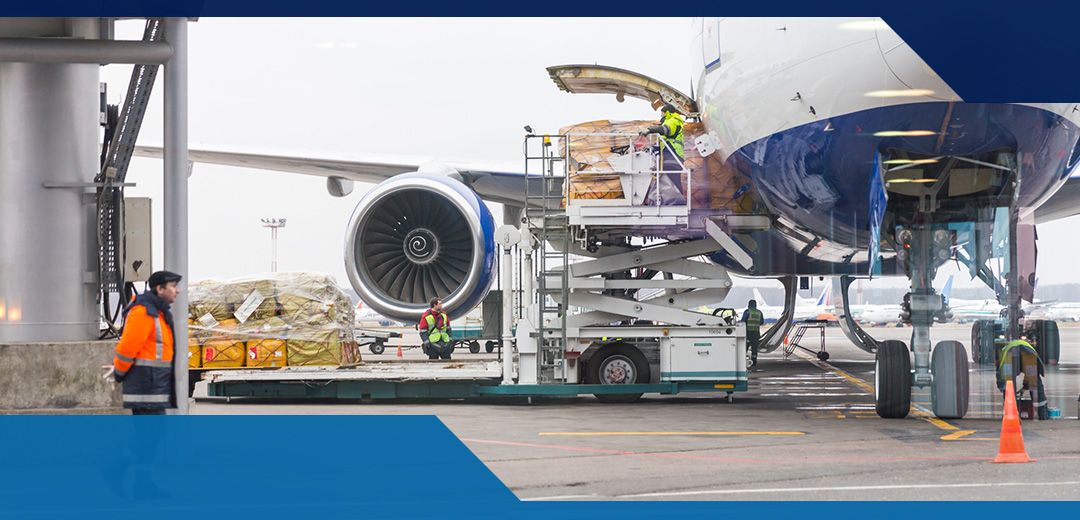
[399, 355]
[1012, 439]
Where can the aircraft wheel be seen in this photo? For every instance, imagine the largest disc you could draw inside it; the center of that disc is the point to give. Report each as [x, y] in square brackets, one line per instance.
[892, 380]
[474, 347]
[617, 364]
[489, 346]
[824, 356]
[950, 387]
[982, 342]
[1047, 341]
[377, 348]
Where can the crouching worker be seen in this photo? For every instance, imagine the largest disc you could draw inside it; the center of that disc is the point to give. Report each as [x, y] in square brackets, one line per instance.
[144, 356]
[435, 331]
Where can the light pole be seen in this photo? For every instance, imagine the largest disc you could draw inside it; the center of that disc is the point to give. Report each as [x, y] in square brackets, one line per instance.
[273, 224]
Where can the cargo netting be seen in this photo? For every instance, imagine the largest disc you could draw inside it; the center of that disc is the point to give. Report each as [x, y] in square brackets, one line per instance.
[274, 320]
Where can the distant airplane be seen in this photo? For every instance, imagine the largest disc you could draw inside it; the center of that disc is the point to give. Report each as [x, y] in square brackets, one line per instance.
[804, 309]
[367, 318]
[1069, 311]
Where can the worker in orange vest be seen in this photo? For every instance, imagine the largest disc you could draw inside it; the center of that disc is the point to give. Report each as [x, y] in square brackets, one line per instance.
[144, 356]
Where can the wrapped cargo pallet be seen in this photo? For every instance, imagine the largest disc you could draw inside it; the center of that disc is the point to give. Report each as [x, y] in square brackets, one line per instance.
[275, 320]
[266, 342]
[715, 183]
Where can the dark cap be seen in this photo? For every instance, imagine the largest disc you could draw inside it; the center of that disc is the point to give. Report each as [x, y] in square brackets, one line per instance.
[668, 108]
[162, 278]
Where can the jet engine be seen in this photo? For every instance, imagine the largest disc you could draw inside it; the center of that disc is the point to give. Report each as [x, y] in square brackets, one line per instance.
[418, 236]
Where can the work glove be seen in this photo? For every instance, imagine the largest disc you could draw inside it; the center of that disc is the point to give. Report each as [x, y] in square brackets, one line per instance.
[643, 133]
[110, 374]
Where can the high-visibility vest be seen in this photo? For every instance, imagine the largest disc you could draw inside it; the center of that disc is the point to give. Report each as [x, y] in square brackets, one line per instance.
[437, 333]
[674, 123]
[1027, 358]
[144, 359]
[754, 319]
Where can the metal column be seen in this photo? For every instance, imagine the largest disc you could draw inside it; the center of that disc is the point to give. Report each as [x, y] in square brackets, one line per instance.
[176, 194]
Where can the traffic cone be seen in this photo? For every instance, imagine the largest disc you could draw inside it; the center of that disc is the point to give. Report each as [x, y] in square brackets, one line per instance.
[1012, 439]
[400, 356]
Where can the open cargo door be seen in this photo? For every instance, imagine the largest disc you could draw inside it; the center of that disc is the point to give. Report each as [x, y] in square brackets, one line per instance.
[598, 79]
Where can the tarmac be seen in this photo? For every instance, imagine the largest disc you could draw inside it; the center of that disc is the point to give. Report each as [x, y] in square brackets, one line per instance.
[805, 430]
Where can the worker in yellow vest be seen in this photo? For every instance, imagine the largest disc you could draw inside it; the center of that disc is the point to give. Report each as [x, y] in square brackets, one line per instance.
[435, 331]
[753, 318]
[1020, 362]
[671, 153]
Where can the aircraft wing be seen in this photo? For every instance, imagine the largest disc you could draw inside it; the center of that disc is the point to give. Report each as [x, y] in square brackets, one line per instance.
[499, 182]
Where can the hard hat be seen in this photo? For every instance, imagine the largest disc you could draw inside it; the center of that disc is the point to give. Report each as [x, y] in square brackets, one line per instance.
[162, 278]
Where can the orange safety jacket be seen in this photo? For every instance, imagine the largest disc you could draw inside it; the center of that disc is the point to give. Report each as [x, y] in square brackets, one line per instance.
[144, 355]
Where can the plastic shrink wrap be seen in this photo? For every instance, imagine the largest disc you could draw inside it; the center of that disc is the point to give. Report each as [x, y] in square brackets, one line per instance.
[715, 183]
[275, 320]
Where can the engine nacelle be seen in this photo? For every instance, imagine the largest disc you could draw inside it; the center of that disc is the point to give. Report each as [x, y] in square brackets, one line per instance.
[417, 236]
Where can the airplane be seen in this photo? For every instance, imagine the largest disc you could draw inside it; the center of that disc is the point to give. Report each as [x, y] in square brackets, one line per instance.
[860, 157]
[804, 309]
[1066, 311]
[368, 318]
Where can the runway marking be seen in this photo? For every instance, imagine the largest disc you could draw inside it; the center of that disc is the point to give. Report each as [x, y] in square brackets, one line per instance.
[917, 410]
[672, 433]
[844, 488]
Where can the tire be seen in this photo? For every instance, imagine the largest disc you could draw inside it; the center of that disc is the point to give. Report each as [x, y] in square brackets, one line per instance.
[892, 380]
[474, 347]
[614, 365]
[489, 346]
[950, 387]
[1047, 341]
[824, 356]
[982, 342]
[377, 348]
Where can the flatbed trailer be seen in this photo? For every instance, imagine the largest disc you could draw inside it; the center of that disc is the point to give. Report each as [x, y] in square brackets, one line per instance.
[419, 379]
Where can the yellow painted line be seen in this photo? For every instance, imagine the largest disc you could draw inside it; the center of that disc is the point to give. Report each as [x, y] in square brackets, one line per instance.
[962, 435]
[672, 433]
[918, 411]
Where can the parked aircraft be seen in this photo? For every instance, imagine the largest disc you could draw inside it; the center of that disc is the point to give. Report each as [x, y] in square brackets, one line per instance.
[821, 114]
[1066, 311]
[804, 309]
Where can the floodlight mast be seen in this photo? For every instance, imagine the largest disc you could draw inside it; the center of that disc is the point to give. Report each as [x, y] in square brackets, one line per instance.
[273, 224]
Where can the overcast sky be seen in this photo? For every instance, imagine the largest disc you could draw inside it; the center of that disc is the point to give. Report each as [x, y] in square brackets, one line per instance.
[445, 87]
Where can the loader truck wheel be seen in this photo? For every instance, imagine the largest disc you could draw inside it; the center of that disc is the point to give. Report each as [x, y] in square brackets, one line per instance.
[474, 347]
[617, 364]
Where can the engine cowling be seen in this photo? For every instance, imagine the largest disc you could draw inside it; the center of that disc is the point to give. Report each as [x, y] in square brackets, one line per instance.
[417, 236]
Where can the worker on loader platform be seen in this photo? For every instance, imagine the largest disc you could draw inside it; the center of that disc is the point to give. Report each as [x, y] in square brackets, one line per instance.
[144, 355]
[671, 153]
[753, 318]
[435, 332]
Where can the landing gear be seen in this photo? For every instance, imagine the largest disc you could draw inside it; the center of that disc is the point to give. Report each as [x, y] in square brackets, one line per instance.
[892, 380]
[474, 347]
[949, 389]
[617, 364]
[489, 346]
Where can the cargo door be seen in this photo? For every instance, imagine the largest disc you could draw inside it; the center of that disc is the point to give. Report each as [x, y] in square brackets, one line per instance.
[598, 79]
